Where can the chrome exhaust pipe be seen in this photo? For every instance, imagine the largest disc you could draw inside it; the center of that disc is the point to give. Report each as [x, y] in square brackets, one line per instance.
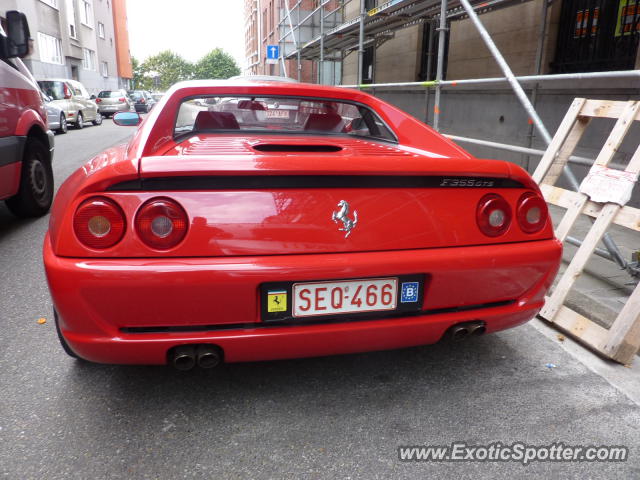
[477, 330]
[208, 356]
[459, 333]
[183, 357]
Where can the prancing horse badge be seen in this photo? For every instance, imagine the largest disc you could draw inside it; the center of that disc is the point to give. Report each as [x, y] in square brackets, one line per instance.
[342, 215]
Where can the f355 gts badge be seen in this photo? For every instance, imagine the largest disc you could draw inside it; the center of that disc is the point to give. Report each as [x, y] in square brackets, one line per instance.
[342, 215]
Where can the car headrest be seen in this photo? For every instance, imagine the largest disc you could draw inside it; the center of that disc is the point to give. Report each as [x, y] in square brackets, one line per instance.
[324, 122]
[216, 121]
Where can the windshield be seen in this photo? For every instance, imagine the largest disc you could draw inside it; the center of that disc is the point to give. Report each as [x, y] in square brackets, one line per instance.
[279, 114]
[52, 89]
[109, 94]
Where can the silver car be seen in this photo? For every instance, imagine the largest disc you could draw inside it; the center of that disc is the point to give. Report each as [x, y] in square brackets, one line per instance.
[56, 118]
[73, 99]
[113, 101]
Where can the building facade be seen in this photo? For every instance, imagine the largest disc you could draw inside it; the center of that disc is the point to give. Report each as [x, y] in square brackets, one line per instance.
[73, 39]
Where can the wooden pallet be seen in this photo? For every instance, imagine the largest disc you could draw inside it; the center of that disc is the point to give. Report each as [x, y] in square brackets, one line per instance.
[622, 340]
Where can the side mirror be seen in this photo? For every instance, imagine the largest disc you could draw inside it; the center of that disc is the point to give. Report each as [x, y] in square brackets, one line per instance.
[17, 34]
[127, 119]
[92, 97]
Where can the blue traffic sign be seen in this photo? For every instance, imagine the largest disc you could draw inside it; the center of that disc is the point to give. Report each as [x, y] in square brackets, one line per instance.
[273, 52]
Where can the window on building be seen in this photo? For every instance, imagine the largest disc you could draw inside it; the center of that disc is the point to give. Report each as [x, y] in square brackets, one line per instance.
[88, 59]
[50, 48]
[429, 59]
[53, 3]
[71, 18]
[101, 29]
[367, 64]
[86, 13]
[597, 35]
[265, 33]
[104, 69]
[369, 4]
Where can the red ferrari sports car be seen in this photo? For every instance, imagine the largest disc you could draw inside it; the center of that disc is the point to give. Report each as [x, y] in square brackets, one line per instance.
[337, 224]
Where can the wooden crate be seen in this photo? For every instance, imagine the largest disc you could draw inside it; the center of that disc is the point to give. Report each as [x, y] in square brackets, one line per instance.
[622, 340]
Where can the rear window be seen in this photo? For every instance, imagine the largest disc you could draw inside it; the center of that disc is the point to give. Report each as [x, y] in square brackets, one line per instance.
[110, 94]
[279, 115]
[53, 89]
[136, 95]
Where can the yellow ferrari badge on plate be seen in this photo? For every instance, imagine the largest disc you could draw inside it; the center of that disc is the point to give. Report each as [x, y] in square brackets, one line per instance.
[277, 301]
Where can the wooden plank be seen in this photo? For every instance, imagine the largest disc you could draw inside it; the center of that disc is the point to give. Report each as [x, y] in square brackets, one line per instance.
[628, 217]
[579, 326]
[570, 144]
[618, 133]
[604, 109]
[558, 139]
[623, 339]
[574, 270]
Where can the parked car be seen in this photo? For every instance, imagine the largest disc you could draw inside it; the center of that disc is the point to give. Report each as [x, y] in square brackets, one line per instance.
[73, 99]
[55, 116]
[353, 227]
[112, 101]
[26, 143]
[143, 101]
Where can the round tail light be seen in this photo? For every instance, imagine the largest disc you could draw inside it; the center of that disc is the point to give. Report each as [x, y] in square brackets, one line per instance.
[98, 100]
[99, 223]
[161, 223]
[493, 215]
[532, 212]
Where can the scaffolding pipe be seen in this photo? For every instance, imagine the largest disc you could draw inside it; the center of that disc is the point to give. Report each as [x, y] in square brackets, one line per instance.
[321, 75]
[427, 91]
[442, 32]
[522, 79]
[363, 12]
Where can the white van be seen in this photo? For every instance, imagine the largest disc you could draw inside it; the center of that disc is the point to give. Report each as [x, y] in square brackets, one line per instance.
[26, 143]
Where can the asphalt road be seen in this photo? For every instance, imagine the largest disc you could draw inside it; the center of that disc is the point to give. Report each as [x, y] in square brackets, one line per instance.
[336, 417]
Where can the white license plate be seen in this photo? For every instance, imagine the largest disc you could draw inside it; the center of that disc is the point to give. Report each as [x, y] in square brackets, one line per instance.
[348, 296]
[277, 113]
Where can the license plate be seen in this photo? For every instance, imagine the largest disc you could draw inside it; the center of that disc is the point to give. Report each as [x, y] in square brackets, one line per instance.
[277, 113]
[349, 296]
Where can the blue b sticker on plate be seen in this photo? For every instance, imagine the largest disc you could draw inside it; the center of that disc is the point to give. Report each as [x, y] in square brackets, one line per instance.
[409, 292]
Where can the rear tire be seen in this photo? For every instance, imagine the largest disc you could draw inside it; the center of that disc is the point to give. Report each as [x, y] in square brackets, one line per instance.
[79, 121]
[36, 183]
[64, 128]
[98, 120]
[63, 342]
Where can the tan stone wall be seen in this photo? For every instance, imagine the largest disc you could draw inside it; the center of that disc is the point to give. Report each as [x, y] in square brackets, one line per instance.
[398, 60]
[515, 31]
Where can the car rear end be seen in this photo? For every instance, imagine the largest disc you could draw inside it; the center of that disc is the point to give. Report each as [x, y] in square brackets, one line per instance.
[260, 247]
[141, 101]
[112, 101]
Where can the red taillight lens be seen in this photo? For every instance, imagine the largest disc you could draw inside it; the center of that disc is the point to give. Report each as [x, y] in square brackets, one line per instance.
[532, 212]
[493, 215]
[99, 223]
[161, 223]
[142, 100]
[98, 100]
[122, 99]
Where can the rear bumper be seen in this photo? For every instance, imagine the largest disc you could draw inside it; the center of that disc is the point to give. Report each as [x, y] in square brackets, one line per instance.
[98, 298]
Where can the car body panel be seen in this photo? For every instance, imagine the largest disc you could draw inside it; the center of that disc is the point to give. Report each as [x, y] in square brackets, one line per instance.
[53, 115]
[259, 217]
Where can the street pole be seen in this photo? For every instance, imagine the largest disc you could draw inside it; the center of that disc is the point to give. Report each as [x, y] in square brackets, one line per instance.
[442, 38]
[361, 43]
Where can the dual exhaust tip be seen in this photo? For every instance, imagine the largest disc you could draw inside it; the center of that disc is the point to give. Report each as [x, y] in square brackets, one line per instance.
[465, 330]
[185, 357]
